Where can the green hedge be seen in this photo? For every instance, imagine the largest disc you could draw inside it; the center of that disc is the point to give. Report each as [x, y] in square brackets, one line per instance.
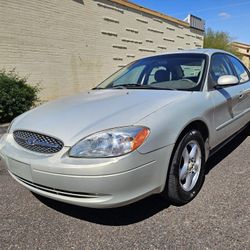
[16, 96]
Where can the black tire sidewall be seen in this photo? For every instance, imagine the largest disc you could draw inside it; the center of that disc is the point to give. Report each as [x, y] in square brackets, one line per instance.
[175, 192]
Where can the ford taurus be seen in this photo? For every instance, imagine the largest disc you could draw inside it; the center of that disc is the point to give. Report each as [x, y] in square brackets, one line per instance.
[149, 128]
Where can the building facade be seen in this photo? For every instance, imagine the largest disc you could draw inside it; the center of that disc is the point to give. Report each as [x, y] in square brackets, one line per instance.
[69, 46]
[244, 50]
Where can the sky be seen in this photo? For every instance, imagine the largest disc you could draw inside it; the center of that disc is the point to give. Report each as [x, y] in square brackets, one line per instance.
[221, 15]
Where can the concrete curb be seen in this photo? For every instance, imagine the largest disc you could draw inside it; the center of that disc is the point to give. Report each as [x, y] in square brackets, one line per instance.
[3, 128]
[4, 125]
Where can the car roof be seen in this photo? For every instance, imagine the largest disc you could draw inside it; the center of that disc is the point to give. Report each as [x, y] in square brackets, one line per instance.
[208, 52]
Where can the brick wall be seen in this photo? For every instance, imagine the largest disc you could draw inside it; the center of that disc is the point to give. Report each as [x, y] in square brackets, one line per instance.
[72, 45]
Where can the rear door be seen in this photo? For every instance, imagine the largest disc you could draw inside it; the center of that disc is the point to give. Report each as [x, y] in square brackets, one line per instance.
[244, 97]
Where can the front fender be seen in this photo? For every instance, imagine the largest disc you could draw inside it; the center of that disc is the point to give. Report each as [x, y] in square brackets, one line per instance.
[167, 123]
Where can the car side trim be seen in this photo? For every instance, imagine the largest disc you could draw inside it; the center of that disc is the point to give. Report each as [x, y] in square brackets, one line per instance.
[221, 145]
[232, 120]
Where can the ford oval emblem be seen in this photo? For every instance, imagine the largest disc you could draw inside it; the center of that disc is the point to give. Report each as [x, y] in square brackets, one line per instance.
[31, 141]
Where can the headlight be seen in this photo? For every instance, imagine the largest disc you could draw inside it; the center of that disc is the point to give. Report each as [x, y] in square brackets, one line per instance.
[110, 143]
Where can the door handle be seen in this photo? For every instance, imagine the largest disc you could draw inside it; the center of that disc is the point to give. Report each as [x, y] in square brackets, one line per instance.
[241, 95]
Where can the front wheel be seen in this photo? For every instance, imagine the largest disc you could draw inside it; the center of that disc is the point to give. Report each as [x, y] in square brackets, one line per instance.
[187, 169]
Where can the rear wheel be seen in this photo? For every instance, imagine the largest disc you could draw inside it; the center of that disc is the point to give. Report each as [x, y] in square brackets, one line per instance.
[187, 169]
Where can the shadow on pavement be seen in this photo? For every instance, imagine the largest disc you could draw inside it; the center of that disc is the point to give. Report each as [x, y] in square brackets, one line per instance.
[126, 215]
[226, 150]
[140, 210]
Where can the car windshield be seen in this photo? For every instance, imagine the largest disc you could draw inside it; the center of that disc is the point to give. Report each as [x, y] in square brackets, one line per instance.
[182, 71]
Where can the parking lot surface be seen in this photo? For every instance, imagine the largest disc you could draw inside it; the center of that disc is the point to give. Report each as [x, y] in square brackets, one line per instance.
[218, 218]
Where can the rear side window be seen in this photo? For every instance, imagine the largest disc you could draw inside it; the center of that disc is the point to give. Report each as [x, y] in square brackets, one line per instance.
[240, 69]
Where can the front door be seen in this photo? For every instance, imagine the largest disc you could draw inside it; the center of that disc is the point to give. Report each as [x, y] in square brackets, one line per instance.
[225, 99]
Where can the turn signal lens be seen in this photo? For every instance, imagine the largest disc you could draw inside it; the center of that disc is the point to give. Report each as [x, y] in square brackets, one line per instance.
[140, 138]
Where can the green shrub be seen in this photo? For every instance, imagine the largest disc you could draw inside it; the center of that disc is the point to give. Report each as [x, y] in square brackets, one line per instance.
[16, 96]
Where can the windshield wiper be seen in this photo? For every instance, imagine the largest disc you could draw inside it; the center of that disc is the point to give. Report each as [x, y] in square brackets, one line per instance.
[96, 88]
[133, 86]
[126, 85]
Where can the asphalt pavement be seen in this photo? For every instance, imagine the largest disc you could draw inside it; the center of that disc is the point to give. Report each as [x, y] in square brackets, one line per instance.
[218, 218]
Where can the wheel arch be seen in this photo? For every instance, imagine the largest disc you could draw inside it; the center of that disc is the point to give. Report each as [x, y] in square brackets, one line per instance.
[202, 127]
[199, 125]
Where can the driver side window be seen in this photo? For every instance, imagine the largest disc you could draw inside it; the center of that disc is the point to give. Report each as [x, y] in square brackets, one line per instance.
[219, 67]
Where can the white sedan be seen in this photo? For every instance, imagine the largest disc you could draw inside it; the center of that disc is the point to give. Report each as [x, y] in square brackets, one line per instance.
[147, 129]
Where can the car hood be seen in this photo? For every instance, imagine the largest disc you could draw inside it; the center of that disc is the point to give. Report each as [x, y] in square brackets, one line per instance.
[73, 118]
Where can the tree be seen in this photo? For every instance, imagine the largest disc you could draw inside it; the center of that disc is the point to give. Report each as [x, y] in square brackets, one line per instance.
[219, 40]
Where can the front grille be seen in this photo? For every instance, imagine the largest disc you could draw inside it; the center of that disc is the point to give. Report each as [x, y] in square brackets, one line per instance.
[37, 142]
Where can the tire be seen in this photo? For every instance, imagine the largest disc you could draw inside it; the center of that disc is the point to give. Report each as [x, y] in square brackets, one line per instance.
[187, 169]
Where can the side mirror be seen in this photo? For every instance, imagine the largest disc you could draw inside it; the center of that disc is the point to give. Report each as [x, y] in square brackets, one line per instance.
[227, 80]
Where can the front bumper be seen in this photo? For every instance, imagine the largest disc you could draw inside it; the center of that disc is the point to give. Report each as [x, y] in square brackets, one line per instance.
[99, 183]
